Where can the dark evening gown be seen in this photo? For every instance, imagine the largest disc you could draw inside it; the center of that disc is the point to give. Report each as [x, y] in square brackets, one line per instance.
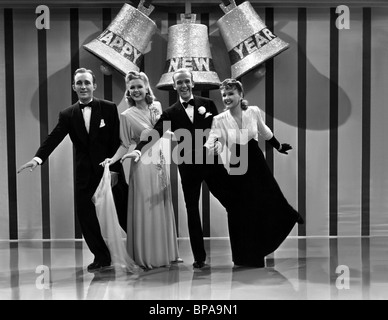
[264, 218]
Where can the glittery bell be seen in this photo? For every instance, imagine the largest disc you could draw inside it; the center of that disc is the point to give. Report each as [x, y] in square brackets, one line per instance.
[248, 41]
[124, 42]
[188, 47]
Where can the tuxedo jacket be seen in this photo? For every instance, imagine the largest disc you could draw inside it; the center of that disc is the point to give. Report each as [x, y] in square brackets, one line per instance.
[175, 118]
[91, 148]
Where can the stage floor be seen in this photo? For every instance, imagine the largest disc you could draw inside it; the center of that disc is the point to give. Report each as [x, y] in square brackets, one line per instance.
[301, 269]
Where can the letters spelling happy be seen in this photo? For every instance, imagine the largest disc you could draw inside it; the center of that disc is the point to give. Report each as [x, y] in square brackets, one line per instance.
[121, 46]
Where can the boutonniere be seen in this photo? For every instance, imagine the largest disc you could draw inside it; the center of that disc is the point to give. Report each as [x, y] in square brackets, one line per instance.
[202, 111]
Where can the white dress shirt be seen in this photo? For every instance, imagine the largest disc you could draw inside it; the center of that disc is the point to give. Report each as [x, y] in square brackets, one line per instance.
[189, 109]
[87, 112]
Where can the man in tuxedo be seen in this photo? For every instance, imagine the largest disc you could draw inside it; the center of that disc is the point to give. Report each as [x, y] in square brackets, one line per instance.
[93, 127]
[191, 117]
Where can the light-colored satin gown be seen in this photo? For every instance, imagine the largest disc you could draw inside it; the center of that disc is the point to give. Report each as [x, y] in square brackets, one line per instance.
[151, 231]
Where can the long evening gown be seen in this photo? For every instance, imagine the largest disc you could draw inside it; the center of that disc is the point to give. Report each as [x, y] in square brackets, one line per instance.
[265, 217]
[151, 232]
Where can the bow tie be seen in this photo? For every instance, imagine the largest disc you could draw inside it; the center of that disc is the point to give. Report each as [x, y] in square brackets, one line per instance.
[83, 105]
[190, 102]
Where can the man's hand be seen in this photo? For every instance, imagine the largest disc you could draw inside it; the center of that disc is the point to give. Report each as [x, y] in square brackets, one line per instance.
[107, 161]
[30, 164]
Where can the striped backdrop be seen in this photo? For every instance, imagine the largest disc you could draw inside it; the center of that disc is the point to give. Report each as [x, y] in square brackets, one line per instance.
[327, 96]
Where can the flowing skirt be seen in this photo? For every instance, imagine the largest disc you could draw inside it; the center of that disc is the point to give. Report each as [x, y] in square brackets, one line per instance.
[151, 231]
[111, 230]
[264, 218]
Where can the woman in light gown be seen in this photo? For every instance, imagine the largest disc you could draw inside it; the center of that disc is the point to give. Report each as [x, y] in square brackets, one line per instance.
[265, 218]
[151, 232]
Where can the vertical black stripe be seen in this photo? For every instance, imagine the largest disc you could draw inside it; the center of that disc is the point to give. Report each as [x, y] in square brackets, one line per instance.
[74, 53]
[79, 270]
[108, 82]
[366, 122]
[302, 257]
[333, 136]
[46, 248]
[74, 47]
[205, 189]
[269, 106]
[10, 119]
[269, 92]
[43, 120]
[302, 120]
[14, 269]
[333, 264]
[365, 267]
[142, 64]
[172, 98]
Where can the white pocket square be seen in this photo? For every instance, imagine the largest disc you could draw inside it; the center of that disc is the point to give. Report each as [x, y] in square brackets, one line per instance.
[102, 123]
[208, 114]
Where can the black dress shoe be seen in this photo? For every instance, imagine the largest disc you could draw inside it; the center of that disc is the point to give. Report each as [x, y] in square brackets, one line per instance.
[200, 265]
[98, 266]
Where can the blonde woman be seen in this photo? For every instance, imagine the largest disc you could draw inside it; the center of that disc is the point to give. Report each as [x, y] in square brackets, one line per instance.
[151, 232]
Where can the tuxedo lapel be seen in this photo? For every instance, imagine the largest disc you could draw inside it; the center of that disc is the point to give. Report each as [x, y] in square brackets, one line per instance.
[95, 119]
[182, 115]
[197, 116]
[79, 123]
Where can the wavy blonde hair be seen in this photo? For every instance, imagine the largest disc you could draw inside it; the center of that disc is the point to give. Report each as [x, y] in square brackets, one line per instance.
[131, 75]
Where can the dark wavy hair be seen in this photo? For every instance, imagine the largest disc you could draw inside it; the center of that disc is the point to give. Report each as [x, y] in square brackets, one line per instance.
[233, 84]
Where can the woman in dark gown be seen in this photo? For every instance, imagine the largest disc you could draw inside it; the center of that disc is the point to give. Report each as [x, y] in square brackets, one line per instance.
[265, 217]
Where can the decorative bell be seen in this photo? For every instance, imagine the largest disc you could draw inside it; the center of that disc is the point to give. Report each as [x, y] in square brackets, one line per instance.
[188, 47]
[123, 44]
[248, 41]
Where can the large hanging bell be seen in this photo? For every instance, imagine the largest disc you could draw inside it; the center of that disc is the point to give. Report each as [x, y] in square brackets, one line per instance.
[248, 41]
[124, 42]
[188, 47]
